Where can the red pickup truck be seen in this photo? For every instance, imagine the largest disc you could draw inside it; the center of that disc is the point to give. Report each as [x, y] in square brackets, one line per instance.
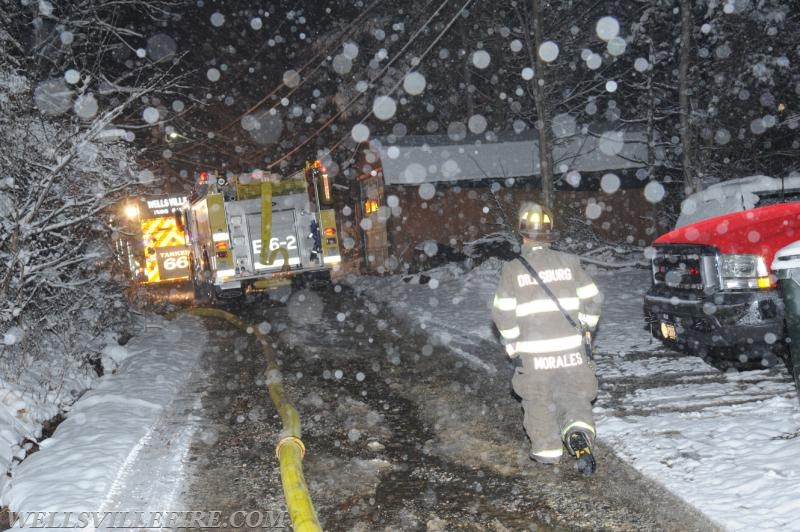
[713, 293]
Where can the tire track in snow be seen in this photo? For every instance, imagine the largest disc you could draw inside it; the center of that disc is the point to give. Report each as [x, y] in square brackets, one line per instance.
[124, 471]
[646, 385]
[153, 474]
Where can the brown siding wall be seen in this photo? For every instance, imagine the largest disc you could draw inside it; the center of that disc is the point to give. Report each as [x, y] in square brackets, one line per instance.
[460, 214]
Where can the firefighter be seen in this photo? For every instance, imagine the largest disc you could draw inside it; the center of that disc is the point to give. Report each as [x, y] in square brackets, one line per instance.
[553, 374]
[316, 249]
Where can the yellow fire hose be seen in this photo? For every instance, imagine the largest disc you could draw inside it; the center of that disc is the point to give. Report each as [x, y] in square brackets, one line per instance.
[290, 449]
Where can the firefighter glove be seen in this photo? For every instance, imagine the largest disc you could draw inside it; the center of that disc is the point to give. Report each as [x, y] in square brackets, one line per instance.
[511, 350]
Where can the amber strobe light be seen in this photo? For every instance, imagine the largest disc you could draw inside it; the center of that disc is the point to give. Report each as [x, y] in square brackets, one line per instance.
[326, 195]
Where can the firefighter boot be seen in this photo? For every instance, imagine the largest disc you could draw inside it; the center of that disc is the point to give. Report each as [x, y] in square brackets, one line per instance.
[578, 445]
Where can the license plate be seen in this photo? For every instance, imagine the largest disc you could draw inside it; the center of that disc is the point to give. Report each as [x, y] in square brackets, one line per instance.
[668, 331]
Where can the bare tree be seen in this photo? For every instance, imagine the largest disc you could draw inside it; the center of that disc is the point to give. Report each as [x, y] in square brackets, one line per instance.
[542, 108]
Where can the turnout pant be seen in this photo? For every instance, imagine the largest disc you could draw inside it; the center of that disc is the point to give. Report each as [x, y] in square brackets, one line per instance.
[556, 400]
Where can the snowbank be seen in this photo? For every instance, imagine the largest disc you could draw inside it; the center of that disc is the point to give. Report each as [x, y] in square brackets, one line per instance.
[108, 426]
[32, 397]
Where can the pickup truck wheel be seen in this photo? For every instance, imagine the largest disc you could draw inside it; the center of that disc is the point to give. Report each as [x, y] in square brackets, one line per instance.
[794, 371]
[725, 365]
[741, 360]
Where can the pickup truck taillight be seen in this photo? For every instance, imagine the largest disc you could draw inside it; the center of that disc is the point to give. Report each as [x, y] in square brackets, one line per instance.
[744, 272]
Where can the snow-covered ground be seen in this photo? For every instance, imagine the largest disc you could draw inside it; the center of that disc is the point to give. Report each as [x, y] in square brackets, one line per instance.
[726, 443]
[90, 463]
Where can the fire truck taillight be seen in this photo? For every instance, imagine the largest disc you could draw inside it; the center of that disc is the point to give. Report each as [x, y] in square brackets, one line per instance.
[370, 206]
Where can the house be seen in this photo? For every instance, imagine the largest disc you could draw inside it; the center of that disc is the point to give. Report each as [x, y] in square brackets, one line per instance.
[454, 189]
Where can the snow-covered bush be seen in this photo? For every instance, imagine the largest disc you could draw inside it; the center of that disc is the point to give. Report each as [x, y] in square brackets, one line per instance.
[60, 92]
[56, 183]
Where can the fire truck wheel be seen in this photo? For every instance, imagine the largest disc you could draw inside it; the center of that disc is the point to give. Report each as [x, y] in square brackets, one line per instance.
[202, 294]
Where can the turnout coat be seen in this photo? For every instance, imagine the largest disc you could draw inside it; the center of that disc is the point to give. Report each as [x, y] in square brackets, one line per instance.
[553, 374]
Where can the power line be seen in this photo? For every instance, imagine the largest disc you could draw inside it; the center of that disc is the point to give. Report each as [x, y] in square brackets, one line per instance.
[397, 84]
[380, 74]
[344, 35]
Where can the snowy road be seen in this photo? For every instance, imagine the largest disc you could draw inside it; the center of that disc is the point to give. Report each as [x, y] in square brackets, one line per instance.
[403, 435]
[231, 465]
[411, 424]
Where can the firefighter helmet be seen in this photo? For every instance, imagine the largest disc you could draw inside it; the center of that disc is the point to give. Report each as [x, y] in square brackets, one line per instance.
[536, 222]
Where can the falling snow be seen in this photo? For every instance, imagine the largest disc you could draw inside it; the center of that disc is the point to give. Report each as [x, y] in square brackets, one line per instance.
[440, 120]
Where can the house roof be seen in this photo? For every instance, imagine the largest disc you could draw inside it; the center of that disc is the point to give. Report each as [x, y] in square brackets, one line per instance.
[413, 160]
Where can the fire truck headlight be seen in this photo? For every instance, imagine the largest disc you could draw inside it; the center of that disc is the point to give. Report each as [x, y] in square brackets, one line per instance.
[131, 212]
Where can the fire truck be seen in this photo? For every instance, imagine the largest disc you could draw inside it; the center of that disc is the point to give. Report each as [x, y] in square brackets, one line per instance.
[259, 231]
[152, 246]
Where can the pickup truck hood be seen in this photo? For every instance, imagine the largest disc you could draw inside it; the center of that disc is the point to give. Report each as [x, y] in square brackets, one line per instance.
[760, 231]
